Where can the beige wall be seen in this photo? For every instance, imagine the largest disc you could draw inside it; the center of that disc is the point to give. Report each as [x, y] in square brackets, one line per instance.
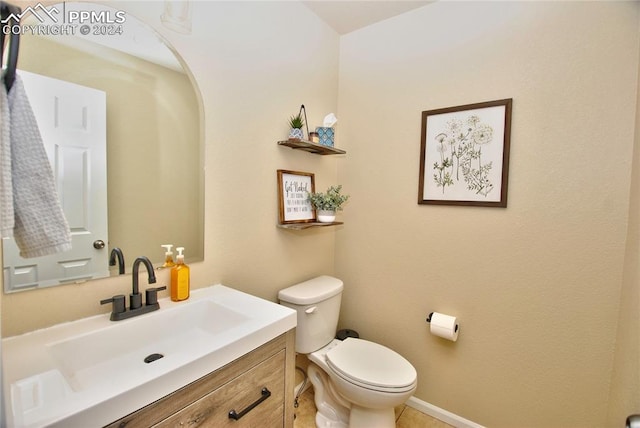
[625, 383]
[536, 286]
[255, 63]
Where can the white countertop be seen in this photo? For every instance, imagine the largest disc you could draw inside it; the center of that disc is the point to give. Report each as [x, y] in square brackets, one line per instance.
[45, 385]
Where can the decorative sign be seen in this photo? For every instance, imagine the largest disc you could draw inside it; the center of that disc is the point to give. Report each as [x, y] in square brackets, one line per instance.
[293, 190]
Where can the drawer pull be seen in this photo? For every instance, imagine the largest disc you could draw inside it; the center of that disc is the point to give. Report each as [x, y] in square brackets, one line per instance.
[265, 394]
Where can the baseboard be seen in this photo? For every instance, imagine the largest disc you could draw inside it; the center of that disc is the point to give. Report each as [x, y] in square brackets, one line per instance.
[421, 406]
[443, 415]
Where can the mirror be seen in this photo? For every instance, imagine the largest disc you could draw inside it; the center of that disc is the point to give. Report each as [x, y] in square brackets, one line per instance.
[154, 149]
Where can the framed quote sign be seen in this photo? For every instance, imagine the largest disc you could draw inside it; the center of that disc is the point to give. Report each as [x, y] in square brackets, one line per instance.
[293, 202]
[464, 155]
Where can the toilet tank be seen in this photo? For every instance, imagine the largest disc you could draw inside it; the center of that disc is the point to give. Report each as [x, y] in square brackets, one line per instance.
[317, 302]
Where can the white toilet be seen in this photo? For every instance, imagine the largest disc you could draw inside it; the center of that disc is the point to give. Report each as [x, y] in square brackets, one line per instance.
[357, 383]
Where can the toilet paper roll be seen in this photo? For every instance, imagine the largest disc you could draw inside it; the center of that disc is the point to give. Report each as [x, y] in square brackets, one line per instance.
[444, 326]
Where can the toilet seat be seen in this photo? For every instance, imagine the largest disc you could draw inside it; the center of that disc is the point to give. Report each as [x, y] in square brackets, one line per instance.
[372, 366]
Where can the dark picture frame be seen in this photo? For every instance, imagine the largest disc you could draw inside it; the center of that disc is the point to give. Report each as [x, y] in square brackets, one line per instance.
[293, 190]
[464, 155]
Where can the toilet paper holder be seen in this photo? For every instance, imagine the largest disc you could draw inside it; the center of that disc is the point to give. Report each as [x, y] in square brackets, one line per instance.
[429, 320]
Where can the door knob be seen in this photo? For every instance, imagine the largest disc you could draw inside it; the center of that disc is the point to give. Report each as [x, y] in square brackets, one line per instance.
[98, 244]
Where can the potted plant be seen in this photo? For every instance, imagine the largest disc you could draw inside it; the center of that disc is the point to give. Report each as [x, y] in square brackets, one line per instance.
[326, 204]
[295, 124]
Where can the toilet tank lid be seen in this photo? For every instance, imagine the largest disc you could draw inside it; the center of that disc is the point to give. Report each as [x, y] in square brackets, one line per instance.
[312, 291]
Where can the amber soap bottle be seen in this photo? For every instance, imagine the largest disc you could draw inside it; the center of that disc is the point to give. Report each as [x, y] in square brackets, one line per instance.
[168, 256]
[180, 281]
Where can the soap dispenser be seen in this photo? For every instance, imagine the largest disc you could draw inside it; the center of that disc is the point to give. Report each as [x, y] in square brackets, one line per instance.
[180, 281]
[168, 256]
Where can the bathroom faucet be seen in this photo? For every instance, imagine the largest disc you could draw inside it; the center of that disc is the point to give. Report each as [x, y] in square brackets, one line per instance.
[135, 297]
[119, 310]
[116, 253]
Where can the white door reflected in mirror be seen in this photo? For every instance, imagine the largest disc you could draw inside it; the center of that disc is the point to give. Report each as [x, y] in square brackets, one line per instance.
[154, 111]
[72, 123]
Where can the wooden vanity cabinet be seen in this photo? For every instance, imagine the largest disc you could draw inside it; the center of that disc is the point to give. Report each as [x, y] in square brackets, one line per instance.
[239, 386]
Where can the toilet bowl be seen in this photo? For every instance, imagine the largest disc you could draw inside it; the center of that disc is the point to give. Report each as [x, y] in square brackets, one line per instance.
[357, 383]
[371, 378]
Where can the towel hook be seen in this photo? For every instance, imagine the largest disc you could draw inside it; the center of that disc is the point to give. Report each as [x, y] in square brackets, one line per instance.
[305, 119]
[10, 13]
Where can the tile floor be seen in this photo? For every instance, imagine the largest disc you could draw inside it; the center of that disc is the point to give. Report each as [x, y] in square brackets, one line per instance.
[406, 417]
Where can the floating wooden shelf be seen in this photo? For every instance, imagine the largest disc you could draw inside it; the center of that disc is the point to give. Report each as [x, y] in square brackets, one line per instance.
[302, 226]
[311, 147]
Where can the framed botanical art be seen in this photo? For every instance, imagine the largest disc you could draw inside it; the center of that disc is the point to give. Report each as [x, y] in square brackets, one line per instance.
[293, 190]
[464, 155]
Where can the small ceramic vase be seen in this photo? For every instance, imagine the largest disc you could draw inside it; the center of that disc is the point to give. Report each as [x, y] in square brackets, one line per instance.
[325, 216]
[296, 133]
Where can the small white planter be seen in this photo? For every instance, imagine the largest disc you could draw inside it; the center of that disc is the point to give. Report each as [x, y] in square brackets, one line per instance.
[296, 133]
[325, 216]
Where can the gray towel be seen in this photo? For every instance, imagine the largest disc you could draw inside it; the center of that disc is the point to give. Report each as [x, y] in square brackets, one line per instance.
[6, 192]
[40, 227]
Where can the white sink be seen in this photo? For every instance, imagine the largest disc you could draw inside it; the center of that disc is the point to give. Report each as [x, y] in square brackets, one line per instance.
[112, 355]
[93, 371]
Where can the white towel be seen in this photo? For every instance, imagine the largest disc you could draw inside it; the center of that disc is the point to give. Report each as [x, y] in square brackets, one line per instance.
[40, 227]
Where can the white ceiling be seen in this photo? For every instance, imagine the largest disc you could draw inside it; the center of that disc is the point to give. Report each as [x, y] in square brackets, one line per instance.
[349, 15]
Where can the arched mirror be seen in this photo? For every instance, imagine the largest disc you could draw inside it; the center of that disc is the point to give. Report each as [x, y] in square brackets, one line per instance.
[153, 158]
